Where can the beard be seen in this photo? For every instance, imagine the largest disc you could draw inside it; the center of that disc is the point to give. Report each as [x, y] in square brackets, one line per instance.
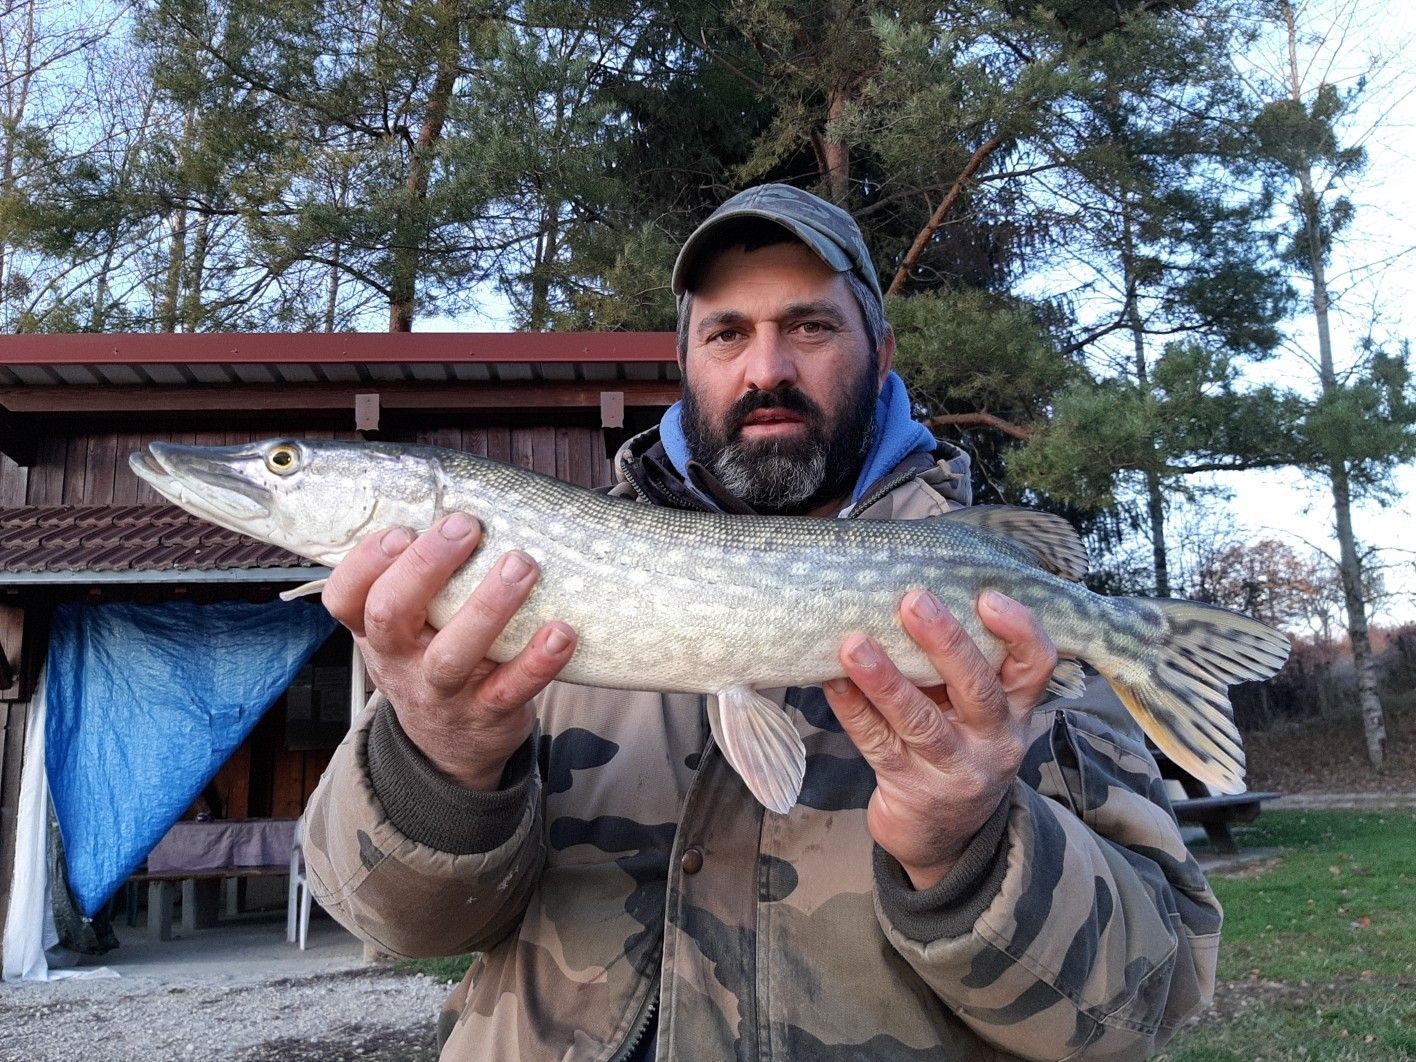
[786, 476]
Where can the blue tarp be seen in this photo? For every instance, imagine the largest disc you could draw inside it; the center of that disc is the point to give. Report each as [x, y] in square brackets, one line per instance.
[146, 702]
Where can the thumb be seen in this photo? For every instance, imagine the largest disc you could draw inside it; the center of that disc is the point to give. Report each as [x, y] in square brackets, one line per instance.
[1031, 657]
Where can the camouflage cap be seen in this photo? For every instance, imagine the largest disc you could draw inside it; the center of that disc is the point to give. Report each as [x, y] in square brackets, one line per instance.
[824, 227]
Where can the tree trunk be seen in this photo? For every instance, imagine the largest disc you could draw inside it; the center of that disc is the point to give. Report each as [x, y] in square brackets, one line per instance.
[1155, 497]
[192, 307]
[172, 284]
[546, 248]
[412, 223]
[332, 296]
[1350, 561]
[835, 153]
[18, 86]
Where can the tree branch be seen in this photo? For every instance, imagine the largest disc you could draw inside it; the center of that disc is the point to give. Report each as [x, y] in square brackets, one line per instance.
[979, 420]
[936, 219]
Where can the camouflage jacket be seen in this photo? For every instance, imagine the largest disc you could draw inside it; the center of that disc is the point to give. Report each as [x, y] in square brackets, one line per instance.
[624, 879]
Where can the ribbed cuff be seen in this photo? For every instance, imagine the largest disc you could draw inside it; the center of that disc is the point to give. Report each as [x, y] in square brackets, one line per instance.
[952, 907]
[425, 806]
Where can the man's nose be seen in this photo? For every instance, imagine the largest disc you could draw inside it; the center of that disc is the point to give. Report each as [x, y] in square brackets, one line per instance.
[770, 362]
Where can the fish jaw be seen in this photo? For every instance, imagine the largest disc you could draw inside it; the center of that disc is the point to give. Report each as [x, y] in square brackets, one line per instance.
[201, 482]
[319, 504]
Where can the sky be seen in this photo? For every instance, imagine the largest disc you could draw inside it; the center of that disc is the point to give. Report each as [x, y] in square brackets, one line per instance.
[1373, 285]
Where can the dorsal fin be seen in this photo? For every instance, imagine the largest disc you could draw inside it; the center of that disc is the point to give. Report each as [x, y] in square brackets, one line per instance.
[1052, 541]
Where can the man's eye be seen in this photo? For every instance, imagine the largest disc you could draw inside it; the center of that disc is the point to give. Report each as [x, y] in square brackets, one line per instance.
[727, 335]
[814, 328]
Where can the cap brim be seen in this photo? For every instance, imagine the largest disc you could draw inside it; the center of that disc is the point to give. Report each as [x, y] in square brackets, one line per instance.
[827, 249]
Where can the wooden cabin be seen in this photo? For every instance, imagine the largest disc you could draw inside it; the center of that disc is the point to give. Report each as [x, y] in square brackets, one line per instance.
[75, 523]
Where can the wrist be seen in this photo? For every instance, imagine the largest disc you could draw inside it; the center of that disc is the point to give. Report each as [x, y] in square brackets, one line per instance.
[925, 877]
[469, 768]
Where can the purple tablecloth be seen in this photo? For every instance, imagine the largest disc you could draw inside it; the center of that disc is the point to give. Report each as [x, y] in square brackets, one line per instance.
[223, 843]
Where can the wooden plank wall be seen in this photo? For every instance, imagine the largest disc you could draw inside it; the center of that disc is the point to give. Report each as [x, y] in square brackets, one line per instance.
[93, 469]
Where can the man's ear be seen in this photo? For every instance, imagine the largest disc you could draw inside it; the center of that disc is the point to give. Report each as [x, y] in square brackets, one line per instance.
[885, 355]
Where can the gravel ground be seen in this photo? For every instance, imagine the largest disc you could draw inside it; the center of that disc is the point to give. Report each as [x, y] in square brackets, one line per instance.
[373, 1012]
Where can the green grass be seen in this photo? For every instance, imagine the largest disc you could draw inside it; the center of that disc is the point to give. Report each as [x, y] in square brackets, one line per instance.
[449, 968]
[1319, 952]
[1319, 948]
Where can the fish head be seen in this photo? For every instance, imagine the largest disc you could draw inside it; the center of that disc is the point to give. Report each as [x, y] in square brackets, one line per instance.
[316, 499]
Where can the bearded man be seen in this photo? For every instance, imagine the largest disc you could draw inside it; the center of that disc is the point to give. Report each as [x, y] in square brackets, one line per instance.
[966, 875]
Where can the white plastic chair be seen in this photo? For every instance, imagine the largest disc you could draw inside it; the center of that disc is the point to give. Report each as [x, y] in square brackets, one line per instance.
[298, 901]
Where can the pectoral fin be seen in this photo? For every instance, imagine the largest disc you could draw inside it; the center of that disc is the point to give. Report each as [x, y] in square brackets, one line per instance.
[761, 743]
[314, 586]
[1068, 680]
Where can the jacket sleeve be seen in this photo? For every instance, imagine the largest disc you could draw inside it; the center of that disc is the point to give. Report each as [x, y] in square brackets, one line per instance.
[408, 860]
[1077, 924]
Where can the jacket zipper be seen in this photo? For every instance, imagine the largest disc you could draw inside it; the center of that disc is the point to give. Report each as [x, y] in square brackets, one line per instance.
[645, 1016]
[882, 490]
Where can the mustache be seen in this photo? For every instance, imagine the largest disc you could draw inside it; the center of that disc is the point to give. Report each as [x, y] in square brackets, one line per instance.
[784, 398]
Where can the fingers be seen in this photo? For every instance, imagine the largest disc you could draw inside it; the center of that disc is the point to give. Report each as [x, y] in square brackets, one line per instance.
[347, 590]
[863, 724]
[459, 649]
[975, 692]
[902, 705]
[396, 608]
[1031, 657]
[514, 683]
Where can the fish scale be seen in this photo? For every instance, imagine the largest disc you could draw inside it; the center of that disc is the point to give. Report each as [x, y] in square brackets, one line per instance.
[726, 605]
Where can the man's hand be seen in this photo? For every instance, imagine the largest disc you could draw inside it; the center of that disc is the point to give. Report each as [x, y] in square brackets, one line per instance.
[466, 713]
[945, 756]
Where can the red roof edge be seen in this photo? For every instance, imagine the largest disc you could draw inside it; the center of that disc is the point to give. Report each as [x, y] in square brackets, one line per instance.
[232, 348]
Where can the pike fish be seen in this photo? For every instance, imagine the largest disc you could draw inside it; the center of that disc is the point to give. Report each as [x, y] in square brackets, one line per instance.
[727, 605]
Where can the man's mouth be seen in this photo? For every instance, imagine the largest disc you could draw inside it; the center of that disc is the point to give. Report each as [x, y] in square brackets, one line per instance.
[769, 421]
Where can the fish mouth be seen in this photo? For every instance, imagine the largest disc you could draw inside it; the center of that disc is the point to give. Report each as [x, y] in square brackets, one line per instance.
[202, 480]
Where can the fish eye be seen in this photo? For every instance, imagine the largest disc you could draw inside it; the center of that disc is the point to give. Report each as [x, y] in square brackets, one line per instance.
[282, 460]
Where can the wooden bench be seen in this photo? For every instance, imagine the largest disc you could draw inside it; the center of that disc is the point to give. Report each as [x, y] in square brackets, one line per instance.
[1217, 813]
[1199, 807]
[161, 897]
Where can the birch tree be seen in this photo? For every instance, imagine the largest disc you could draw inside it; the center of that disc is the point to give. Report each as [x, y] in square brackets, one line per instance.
[1361, 422]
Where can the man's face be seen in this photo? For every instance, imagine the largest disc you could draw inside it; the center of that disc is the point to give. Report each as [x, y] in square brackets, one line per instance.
[779, 382]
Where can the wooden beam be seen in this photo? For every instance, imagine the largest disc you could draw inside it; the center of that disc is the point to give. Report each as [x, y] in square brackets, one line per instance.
[335, 347]
[251, 398]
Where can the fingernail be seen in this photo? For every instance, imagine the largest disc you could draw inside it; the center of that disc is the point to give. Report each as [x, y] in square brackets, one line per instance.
[926, 606]
[864, 653]
[837, 685]
[515, 568]
[395, 540]
[557, 640]
[458, 525]
[996, 602]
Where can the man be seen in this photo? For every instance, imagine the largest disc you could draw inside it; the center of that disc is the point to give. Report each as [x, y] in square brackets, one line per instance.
[963, 876]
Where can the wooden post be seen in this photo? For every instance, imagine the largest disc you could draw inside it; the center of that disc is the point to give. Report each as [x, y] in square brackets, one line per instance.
[159, 922]
[358, 683]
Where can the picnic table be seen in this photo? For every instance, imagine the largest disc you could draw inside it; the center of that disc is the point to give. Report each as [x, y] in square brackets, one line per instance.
[1214, 812]
[213, 850]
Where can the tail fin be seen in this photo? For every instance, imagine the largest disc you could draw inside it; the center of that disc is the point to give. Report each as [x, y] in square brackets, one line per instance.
[1183, 702]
